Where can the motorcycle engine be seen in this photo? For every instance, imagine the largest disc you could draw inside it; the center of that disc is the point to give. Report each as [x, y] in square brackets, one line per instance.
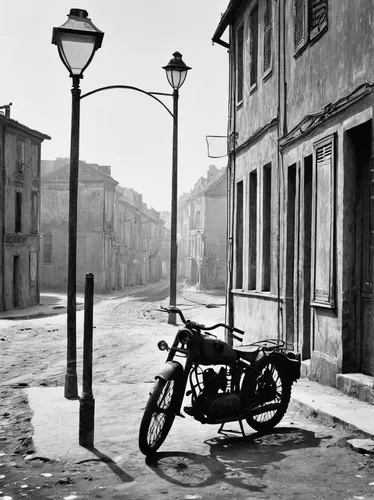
[213, 401]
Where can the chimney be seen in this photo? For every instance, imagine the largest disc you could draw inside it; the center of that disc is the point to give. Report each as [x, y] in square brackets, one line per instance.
[105, 169]
[211, 173]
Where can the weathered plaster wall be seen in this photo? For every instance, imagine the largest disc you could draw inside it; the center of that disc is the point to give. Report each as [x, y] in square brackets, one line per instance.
[256, 316]
[335, 64]
[259, 105]
[260, 153]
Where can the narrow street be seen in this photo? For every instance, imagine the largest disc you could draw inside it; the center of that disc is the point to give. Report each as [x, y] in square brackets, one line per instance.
[302, 459]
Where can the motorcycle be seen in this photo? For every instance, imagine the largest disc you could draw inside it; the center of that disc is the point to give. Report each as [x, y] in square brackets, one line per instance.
[251, 382]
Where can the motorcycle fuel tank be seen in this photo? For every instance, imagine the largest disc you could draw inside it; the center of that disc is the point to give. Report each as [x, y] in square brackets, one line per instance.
[214, 351]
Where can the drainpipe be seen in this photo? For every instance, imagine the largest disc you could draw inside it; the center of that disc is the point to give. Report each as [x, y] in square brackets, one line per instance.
[231, 182]
[3, 218]
[282, 129]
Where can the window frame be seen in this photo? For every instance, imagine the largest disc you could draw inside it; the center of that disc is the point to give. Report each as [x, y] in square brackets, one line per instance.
[240, 64]
[310, 34]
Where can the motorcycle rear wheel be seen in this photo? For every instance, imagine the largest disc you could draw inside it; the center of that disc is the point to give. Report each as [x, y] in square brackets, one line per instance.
[267, 384]
[158, 415]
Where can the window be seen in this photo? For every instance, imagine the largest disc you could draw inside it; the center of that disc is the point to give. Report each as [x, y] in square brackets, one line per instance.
[310, 21]
[239, 62]
[18, 212]
[34, 212]
[317, 17]
[268, 35]
[47, 248]
[253, 26]
[239, 236]
[20, 156]
[252, 219]
[300, 20]
[266, 227]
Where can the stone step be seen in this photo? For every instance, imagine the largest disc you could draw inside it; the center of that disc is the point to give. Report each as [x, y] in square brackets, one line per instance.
[356, 385]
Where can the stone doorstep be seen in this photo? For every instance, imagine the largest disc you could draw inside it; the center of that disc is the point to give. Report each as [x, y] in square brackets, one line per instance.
[356, 385]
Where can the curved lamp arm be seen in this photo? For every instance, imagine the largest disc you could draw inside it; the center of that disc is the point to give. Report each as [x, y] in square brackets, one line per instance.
[151, 94]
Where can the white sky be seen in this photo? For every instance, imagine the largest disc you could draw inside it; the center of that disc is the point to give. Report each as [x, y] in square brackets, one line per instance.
[122, 128]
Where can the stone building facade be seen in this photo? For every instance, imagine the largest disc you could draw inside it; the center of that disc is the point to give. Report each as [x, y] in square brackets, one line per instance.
[202, 216]
[301, 178]
[118, 237]
[20, 149]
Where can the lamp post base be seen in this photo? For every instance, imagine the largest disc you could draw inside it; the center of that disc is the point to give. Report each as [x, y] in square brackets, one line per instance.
[71, 386]
[172, 318]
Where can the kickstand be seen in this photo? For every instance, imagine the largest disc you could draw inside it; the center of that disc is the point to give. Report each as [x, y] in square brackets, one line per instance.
[220, 430]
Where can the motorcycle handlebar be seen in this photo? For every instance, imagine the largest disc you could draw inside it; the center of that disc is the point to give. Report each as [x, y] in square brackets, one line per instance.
[202, 327]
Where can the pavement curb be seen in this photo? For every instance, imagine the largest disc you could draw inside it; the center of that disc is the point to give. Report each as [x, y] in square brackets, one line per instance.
[326, 418]
[330, 406]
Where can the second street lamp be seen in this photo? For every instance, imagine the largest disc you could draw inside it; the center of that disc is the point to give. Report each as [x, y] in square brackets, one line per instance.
[77, 41]
[176, 72]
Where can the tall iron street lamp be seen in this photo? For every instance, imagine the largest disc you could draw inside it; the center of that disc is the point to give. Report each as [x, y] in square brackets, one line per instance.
[176, 72]
[77, 41]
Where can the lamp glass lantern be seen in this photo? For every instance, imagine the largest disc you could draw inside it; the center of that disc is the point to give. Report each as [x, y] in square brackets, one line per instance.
[77, 41]
[176, 71]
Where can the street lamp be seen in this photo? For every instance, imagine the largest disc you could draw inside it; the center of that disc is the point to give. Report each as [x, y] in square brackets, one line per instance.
[77, 41]
[176, 72]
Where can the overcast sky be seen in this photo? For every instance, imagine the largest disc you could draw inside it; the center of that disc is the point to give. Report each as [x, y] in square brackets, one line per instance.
[122, 128]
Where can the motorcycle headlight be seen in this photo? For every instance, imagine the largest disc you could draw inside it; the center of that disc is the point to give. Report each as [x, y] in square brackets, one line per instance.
[162, 345]
[184, 336]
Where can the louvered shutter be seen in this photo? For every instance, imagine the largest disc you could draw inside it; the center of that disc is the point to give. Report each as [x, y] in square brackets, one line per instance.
[324, 222]
[240, 63]
[300, 23]
[268, 35]
[317, 17]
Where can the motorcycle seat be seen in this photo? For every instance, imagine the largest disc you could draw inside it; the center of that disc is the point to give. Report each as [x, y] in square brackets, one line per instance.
[247, 352]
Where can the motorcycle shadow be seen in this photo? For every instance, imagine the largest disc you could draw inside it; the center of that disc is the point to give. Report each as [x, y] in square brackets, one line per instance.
[239, 461]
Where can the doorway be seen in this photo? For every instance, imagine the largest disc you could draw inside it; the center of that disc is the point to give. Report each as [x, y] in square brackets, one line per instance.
[360, 139]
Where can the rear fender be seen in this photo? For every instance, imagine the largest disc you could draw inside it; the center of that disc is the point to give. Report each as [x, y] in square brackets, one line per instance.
[292, 365]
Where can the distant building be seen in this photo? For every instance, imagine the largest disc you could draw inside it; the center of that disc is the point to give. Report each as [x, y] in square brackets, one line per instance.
[20, 211]
[202, 231]
[118, 237]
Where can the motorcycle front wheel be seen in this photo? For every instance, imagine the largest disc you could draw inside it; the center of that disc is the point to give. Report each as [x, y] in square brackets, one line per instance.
[266, 385]
[158, 415]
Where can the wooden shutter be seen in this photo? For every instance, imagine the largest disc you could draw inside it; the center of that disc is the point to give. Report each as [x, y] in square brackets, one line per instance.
[324, 223]
[268, 35]
[317, 17]
[300, 34]
[240, 62]
[253, 22]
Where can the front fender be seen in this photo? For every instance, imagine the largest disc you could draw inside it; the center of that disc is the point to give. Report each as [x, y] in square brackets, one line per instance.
[170, 369]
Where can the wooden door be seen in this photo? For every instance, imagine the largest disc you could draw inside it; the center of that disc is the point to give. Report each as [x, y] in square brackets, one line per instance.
[364, 252]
